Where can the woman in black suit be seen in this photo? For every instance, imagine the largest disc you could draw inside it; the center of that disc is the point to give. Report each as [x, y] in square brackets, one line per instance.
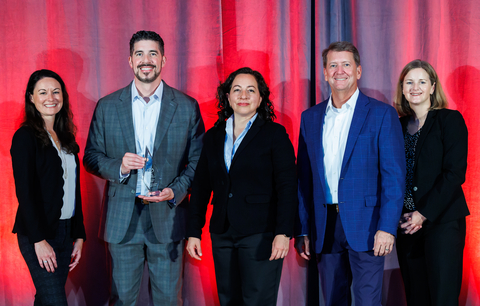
[431, 234]
[248, 162]
[49, 220]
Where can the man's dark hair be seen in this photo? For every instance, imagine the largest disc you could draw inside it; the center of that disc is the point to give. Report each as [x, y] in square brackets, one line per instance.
[340, 46]
[147, 35]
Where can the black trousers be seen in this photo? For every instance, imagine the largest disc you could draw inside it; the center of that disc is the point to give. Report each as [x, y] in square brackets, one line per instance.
[50, 287]
[244, 274]
[431, 262]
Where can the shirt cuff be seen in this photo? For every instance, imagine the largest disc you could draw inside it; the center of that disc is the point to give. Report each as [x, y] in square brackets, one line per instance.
[122, 177]
[172, 203]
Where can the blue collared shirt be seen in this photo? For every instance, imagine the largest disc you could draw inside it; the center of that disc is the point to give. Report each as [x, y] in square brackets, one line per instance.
[231, 147]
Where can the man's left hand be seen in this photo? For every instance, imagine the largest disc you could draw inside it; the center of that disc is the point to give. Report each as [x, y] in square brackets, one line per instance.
[383, 243]
[165, 195]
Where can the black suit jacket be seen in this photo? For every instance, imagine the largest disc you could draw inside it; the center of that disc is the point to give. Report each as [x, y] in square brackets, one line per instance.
[259, 194]
[440, 166]
[38, 175]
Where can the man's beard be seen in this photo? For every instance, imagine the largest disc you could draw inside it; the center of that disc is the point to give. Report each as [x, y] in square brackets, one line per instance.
[150, 78]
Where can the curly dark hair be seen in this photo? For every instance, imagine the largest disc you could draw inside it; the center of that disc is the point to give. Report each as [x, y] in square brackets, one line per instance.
[63, 124]
[265, 110]
[147, 35]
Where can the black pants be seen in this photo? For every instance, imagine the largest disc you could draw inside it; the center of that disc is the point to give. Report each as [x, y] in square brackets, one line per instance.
[431, 262]
[244, 274]
[50, 286]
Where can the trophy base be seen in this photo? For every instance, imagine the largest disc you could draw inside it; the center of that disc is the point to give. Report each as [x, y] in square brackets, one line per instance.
[153, 193]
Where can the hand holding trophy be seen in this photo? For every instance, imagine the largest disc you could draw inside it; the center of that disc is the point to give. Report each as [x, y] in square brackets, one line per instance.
[149, 175]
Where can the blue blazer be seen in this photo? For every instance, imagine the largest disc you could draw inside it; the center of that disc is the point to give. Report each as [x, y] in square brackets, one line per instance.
[372, 179]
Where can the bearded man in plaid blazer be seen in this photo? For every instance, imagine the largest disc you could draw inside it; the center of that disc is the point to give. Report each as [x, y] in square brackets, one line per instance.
[139, 226]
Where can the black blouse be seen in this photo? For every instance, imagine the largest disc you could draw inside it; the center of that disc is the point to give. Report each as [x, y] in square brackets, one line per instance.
[410, 144]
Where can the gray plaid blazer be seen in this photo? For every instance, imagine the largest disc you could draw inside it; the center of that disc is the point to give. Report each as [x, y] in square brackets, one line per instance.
[177, 148]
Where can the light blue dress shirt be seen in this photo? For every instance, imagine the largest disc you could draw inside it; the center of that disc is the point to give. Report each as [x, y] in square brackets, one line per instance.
[231, 147]
[145, 121]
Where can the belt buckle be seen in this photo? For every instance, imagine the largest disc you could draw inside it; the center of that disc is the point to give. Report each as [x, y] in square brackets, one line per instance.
[145, 202]
[336, 207]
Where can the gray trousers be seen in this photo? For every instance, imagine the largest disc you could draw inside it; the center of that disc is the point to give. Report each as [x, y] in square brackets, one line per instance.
[140, 247]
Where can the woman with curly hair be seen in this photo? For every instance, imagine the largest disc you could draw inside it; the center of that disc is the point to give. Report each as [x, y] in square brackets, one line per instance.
[49, 221]
[248, 162]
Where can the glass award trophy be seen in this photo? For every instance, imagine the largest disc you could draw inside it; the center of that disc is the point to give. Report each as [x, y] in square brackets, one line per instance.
[149, 175]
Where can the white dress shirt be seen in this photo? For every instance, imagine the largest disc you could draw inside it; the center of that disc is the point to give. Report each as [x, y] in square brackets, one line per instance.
[145, 121]
[335, 134]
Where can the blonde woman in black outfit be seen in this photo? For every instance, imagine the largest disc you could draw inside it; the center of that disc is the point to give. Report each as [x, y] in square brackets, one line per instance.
[431, 234]
[49, 220]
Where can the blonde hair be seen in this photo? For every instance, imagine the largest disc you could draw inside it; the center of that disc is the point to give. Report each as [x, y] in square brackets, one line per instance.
[438, 99]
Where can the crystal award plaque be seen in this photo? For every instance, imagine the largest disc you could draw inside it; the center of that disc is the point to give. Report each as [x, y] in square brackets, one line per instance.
[149, 175]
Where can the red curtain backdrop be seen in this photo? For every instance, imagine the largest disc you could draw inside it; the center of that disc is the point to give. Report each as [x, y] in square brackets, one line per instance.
[86, 42]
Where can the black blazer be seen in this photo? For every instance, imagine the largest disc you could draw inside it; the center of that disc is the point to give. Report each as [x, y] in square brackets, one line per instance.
[38, 175]
[440, 166]
[258, 195]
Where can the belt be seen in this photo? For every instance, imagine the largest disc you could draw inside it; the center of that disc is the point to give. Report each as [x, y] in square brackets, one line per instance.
[141, 201]
[333, 207]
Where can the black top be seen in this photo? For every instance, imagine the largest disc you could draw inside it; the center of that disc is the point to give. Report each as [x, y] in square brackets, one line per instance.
[440, 166]
[410, 144]
[38, 175]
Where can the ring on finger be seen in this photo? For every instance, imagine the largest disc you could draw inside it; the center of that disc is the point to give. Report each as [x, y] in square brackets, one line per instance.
[45, 261]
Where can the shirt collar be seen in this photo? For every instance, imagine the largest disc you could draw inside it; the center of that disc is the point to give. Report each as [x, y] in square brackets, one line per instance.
[247, 127]
[157, 94]
[350, 104]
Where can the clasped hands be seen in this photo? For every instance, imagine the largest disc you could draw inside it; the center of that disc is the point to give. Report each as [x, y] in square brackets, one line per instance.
[411, 222]
[131, 161]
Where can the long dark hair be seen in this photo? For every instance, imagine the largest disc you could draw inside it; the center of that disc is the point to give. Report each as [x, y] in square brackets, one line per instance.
[265, 110]
[63, 124]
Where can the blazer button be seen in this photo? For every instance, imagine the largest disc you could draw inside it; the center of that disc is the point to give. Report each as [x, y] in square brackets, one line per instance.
[415, 188]
[230, 195]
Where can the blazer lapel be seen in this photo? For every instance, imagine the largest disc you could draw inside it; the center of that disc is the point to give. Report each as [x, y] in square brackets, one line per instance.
[167, 110]
[423, 134]
[318, 122]
[252, 132]
[124, 109]
[359, 117]
[220, 147]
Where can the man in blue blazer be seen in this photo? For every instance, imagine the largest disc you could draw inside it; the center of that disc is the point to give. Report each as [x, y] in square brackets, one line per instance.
[147, 114]
[351, 168]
